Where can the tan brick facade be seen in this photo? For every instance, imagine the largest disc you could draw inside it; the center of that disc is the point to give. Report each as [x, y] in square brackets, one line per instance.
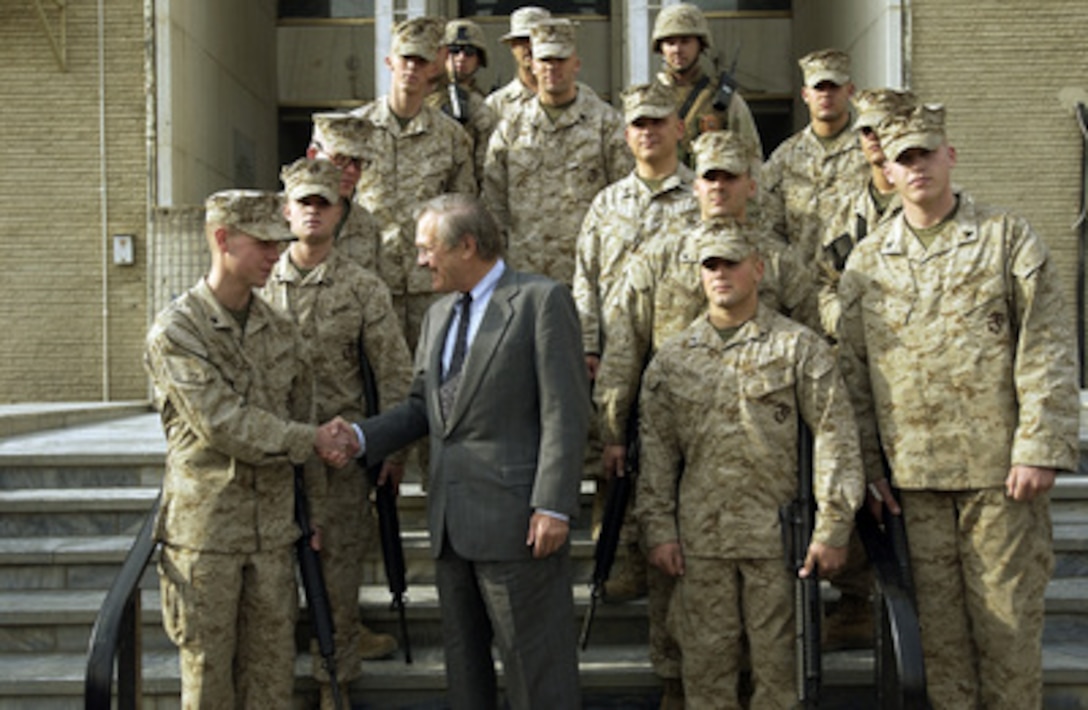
[51, 295]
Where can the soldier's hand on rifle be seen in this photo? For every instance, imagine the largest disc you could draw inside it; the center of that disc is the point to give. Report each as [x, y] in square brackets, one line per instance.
[614, 457]
[824, 559]
[878, 495]
[668, 557]
[593, 365]
[392, 472]
[315, 538]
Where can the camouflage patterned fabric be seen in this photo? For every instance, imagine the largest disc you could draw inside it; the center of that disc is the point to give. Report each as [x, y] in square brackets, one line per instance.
[338, 305]
[358, 235]
[702, 116]
[430, 156]
[234, 411]
[482, 120]
[961, 356]
[541, 176]
[510, 99]
[624, 218]
[720, 411]
[800, 180]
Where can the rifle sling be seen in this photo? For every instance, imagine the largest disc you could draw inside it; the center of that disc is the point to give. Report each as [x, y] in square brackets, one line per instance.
[690, 100]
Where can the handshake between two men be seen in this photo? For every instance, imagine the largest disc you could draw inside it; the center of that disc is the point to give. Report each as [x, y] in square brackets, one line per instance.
[336, 442]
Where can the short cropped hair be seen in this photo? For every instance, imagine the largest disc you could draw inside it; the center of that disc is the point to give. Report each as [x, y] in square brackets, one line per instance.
[459, 215]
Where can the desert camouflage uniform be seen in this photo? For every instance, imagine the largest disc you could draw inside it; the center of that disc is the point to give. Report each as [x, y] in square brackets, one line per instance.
[802, 180]
[541, 177]
[235, 407]
[624, 218]
[660, 295]
[358, 235]
[341, 307]
[961, 357]
[481, 122]
[856, 216]
[737, 117]
[430, 156]
[510, 99]
[726, 414]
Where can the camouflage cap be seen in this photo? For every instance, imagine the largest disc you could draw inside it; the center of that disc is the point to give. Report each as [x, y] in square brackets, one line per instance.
[918, 127]
[872, 105]
[522, 21]
[653, 100]
[257, 213]
[418, 37]
[306, 177]
[825, 65]
[466, 32]
[723, 150]
[343, 134]
[723, 239]
[553, 39]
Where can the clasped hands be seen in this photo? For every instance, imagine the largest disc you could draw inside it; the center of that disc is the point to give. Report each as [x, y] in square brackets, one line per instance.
[336, 443]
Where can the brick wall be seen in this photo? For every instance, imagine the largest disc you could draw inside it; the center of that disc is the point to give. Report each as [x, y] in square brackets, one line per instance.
[51, 295]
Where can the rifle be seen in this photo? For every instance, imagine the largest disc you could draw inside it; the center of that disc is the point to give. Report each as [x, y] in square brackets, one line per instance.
[317, 595]
[798, 520]
[457, 108]
[388, 521]
[727, 85]
[615, 508]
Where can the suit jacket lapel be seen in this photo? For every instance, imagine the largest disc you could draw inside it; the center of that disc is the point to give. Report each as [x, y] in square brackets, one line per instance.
[493, 326]
[440, 329]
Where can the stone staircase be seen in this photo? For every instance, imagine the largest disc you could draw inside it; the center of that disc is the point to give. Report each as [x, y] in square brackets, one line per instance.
[75, 487]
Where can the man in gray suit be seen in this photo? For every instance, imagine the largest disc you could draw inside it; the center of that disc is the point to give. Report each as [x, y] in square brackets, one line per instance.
[501, 388]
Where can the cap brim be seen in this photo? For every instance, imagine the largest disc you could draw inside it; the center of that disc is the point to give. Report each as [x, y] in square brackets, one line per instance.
[550, 50]
[648, 112]
[729, 166]
[267, 233]
[509, 36]
[836, 78]
[299, 192]
[899, 145]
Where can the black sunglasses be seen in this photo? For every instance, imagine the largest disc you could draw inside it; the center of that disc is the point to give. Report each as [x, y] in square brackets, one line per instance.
[466, 49]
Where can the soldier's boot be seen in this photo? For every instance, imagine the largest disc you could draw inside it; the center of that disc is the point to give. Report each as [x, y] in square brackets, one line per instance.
[328, 701]
[627, 581]
[672, 695]
[849, 625]
[373, 645]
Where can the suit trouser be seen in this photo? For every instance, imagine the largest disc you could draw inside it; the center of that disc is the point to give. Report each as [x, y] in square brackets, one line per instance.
[981, 563]
[527, 608]
[232, 617]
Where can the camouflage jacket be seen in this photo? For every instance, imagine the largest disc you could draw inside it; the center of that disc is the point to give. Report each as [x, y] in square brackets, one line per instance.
[802, 181]
[236, 408]
[623, 219]
[541, 176]
[960, 357]
[510, 98]
[660, 294]
[430, 156]
[340, 308]
[736, 117]
[726, 414]
[358, 235]
[480, 123]
[856, 216]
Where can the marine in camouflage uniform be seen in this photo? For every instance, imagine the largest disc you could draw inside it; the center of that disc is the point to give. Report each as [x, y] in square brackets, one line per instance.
[522, 88]
[429, 155]
[805, 174]
[546, 163]
[718, 423]
[681, 35]
[959, 354]
[343, 140]
[232, 385]
[859, 213]
[467, 52]
[343, 311]
[659, 296]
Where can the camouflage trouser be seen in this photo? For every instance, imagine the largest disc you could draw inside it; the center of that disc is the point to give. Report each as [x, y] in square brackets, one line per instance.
[348, 533]
[981, 564]
[233, 618]
[716, 603]
[664, 650]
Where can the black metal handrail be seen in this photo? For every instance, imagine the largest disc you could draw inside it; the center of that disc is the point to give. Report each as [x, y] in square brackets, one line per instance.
[116, 632]
[900, 667]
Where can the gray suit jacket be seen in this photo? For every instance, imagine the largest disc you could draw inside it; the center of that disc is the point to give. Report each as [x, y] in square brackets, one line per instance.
[515, 439]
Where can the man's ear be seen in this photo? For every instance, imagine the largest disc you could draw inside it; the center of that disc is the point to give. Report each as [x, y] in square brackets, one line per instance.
[221, 234]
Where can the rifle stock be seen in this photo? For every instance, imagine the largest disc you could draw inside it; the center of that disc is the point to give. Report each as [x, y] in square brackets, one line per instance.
[388, 519]
[798, 519]
[313, 584]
